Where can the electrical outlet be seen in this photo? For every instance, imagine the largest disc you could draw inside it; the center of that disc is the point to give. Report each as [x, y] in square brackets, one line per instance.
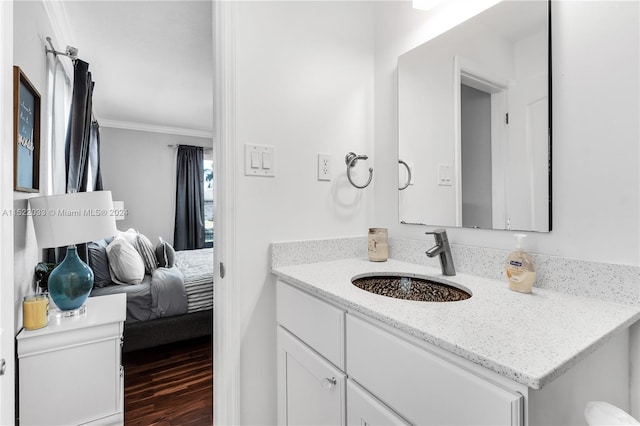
[324, 167]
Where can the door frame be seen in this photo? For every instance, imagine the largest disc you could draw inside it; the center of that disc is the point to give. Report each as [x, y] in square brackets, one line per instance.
[7, 290]
[227, 338]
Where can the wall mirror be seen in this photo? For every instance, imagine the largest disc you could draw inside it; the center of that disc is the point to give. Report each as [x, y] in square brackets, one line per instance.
[474, 127]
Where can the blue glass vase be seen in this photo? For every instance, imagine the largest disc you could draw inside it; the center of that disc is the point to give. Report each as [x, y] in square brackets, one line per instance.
[70, 282]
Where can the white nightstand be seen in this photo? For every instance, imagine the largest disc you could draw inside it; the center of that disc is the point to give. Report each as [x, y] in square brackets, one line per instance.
[70, 371]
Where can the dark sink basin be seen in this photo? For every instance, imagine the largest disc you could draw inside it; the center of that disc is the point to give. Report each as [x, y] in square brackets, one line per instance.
[411, 288]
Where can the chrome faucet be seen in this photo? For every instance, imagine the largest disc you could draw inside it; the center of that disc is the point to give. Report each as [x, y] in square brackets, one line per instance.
[442, 248]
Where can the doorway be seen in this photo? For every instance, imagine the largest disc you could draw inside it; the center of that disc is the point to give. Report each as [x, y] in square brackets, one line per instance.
[481, 119]
[475, 133]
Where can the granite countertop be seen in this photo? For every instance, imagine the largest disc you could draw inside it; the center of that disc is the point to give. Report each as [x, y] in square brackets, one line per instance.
[529, 338]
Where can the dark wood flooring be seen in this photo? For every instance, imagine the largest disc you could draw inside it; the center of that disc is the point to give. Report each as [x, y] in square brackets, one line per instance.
[169, 385]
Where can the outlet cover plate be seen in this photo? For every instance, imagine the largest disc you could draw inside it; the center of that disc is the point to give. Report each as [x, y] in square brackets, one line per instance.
[324, 167]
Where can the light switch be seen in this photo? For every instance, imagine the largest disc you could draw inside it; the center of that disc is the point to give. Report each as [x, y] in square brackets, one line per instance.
[255, 160]
[259, 160]
[266, 160]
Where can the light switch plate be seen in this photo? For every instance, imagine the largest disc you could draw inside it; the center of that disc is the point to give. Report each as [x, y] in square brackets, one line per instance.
[445, 175]
[259, 160]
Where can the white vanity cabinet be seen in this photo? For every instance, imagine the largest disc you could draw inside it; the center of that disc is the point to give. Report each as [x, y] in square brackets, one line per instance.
[331, 363]
[70, 371]
[497, 358]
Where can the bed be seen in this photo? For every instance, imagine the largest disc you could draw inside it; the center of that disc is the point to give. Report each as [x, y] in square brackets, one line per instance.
[172, 302]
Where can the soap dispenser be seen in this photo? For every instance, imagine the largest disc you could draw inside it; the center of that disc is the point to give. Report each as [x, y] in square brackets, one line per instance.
[519, 268]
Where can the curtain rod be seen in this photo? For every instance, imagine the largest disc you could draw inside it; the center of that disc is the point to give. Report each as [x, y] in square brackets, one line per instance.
[71, 52]
[206, 148]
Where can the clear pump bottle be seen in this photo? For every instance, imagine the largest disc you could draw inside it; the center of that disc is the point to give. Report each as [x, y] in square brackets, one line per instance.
[520, 271]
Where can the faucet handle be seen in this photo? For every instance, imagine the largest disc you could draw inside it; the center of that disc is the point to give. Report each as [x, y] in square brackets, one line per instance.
[440, 234]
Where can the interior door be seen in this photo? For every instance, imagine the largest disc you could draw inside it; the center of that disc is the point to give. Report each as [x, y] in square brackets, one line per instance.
[528, 159]
[7, 349]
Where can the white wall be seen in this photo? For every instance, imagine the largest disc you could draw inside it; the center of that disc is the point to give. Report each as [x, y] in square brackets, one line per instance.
[140, 169]
[596, 183]
[31, 27]
[304, 85]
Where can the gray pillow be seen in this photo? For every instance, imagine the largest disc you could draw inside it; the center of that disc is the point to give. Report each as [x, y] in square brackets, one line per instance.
[165, 254]
[145, 248]
[99, 262]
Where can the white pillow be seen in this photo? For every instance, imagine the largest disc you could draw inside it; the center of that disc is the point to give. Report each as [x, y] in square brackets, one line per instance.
[125, 264]
[130, 235]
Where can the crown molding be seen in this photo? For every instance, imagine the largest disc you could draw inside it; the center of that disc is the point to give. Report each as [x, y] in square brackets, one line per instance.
[59, 19]
[62, 34]
[155, 129]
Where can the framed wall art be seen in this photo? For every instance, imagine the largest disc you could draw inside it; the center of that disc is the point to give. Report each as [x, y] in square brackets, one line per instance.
[26, 134]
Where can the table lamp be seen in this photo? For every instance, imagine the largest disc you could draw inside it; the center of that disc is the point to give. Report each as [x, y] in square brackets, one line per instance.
[66, 220]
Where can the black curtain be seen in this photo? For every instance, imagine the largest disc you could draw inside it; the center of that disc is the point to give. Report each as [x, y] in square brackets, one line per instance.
[82, 148]
[83, 134]
[189, 224]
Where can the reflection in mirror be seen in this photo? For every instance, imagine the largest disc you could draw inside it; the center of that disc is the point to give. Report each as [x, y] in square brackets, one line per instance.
[474, 123]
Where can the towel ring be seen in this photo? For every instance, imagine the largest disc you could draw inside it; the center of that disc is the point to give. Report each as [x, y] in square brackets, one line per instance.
[408, 175]
[351, 159]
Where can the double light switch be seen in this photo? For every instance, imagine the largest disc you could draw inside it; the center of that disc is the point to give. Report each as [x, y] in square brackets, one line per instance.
[259, 160]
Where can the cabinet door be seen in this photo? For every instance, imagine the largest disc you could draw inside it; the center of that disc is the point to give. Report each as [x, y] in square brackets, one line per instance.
[364, 410]
[71, 385]
[311, 391]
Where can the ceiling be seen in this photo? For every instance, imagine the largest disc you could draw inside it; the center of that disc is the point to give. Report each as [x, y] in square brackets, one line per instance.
[516, 20]
[151, 61]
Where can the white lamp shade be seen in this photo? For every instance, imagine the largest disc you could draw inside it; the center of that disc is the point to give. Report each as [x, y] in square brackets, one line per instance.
[67, 219]
[425, 4]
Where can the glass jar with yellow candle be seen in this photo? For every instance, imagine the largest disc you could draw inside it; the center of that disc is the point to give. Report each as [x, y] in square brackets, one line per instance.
[35, 311]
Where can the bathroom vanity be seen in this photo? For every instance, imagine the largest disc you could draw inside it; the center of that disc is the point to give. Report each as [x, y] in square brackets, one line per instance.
[347, 356]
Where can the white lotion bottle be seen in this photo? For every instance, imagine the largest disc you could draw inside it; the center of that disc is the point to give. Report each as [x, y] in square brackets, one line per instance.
[520, 271]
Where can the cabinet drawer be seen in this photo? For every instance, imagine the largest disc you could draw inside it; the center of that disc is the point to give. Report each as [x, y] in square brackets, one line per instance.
[424, 388]
[313, 321]
[363, 409]
[311, 391]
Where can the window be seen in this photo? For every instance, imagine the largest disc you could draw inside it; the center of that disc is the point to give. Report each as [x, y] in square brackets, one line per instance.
[208, 202]
[59, 90]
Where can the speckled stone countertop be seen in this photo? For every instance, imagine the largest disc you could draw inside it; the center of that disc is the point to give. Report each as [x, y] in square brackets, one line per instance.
[529, 338]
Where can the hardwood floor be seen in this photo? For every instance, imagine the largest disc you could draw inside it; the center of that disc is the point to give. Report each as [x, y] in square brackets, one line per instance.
[170, 385]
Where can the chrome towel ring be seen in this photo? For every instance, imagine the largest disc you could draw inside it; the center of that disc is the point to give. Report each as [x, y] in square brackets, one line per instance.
[351, 159]
[408, 175]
